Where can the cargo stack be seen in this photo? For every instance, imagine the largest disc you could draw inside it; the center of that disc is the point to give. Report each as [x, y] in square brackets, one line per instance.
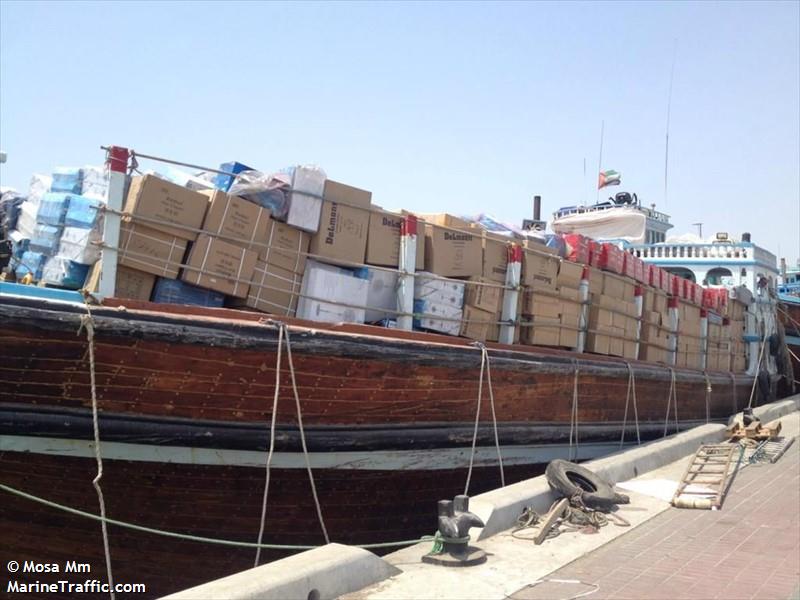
[718, 345]
[736, 315]
[542, 306]
[483, 309]
[690, 347]
[612, 315]
[654, 340]
[438, 304]
[568, 287]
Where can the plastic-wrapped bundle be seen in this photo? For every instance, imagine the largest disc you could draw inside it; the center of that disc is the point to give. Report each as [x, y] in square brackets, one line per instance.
[305, 203]
[82, 212]
[94, 182]
[40, 185]
[65, 273]
[10, 205]
[53, 209]
[29, 263]
[67, 179]
[19, 243]
[269, 191]
[79, 245]
[224, 182]
[173, 291]
[45, 239]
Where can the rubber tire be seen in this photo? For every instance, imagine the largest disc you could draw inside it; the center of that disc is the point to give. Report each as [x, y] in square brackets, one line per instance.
[568, 479]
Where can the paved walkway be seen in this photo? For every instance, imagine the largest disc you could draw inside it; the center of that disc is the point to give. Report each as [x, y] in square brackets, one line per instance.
[749, 549]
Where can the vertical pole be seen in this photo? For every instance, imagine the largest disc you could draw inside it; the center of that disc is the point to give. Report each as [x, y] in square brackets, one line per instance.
[583, 324]
[117, 165]
[508, 329]
[672, 304]
[703, 338]
[408, 263]
[638, 297]
[754, 333]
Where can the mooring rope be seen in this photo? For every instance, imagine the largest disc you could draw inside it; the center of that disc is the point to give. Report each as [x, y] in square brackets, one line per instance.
[485, 366]
[758, 366]
[672, 398]
[631, 392]
[87, 323]
[573, 420]
[708, 396]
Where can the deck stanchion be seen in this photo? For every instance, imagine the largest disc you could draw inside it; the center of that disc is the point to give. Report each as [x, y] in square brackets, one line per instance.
[117, 165]
[583, 323]
[408, 262]
[753, 335]
[672, 305]
[638, 297]
[508, 329]
[703, 338]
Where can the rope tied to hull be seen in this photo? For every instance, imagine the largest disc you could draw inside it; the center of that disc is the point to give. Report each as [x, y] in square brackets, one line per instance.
[672, 401]
[487, 368]
[708, 397]
[284, 340]
[630, 393]
[573, 419]
[87, 324]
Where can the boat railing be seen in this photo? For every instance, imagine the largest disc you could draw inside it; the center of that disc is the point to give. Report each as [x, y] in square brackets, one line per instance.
[576, 210]
[699, 252]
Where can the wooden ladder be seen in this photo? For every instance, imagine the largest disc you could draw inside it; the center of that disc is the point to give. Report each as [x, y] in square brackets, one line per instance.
[709, 468]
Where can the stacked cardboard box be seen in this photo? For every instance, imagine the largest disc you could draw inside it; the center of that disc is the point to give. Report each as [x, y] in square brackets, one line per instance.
[542, 306]
[438, 304]
[690, 347]
[383, 240]
[452, 247]
[736, 312]
[483, 307]
[654, 340]
[718, 346]
[612, 317]
[344, 223]
[332, 294]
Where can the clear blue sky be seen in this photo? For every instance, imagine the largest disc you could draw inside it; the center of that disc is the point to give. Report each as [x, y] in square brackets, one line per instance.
[434, 107]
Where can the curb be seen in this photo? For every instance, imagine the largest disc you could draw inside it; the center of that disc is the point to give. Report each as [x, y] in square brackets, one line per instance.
[323, 573]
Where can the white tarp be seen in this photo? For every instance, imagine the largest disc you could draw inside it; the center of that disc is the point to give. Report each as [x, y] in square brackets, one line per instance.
[614, 223]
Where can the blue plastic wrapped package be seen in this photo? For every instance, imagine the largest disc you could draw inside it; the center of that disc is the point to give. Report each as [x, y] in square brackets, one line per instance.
[29, 263]
[64, 273]
[53, 209]
[269, 191]
[19, 243]
[67, 179]
[173, 291]
[224, 182]
[40, 185]
[45, 239]
[82, 212]
[557, 242]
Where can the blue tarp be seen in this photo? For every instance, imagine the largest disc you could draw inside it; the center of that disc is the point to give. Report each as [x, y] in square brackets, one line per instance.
[172, 291]
[81, 212]
[67, 179]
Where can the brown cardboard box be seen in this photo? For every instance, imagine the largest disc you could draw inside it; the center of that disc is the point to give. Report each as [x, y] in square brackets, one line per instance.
[446, 220]
[597, 343]
[570, 294]
[274, 290]
[568, 336]
[535, 245]
[285, 247]
[130, 284]
[476, 323]
[220, 266]
[569, 274]
[616, 345]
[601, 320]
[539, 270]
[150, 250]
[595, 281]
[485, 297]
[544, 332]
[383, 240]
[452, 253]
[541, 305]
[241, 222]
[342, 235]
[614, 287]
[347, 194]
[155, 198]
[495, 257]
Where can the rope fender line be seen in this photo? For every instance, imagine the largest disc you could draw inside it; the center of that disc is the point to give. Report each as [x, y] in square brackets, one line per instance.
[672, 399]
[708, 396]
[87, 324]
[487, 368]
[186, 536]
[284, 339]
[573, 420]
[630, 392]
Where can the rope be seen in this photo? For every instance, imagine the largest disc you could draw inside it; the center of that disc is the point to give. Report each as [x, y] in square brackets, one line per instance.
[271, 446]
[485, 366]
[186, 536]
[672, 396]
[87, 323]
[758, 366]
[631, 392]
[733, 386]
[283, 337]
[573, 421]
[708, 397]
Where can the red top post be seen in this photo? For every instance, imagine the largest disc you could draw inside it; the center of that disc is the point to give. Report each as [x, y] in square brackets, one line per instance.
[408, 226]
[117, 159]
[515, 253]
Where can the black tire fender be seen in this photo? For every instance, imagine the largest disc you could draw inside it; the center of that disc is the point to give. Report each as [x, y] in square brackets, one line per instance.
[569, 479]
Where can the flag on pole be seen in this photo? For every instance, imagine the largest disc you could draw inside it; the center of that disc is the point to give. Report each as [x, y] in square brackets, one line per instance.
[608, 178]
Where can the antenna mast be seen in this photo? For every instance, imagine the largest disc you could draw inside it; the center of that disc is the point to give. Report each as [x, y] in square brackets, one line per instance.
[669, 106]
[600, 159]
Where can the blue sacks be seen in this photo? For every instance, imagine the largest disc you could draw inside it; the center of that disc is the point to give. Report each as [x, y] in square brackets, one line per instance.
[29, 262]
[173, 291]
[64, 273]
[45, 239]
[82, 212]
[67, 179]
[223, 182]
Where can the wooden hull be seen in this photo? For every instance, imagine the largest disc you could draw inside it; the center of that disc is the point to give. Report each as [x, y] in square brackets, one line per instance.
[185, 402]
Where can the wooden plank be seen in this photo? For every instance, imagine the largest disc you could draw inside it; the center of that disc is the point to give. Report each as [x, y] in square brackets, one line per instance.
[550, 520]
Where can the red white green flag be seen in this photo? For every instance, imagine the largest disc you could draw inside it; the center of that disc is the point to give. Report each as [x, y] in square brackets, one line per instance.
[608, 178]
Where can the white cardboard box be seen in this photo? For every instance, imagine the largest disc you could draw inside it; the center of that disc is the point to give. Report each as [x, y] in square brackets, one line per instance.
[305, 208]
[381, 294]
[325, 288]
[439, 291]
